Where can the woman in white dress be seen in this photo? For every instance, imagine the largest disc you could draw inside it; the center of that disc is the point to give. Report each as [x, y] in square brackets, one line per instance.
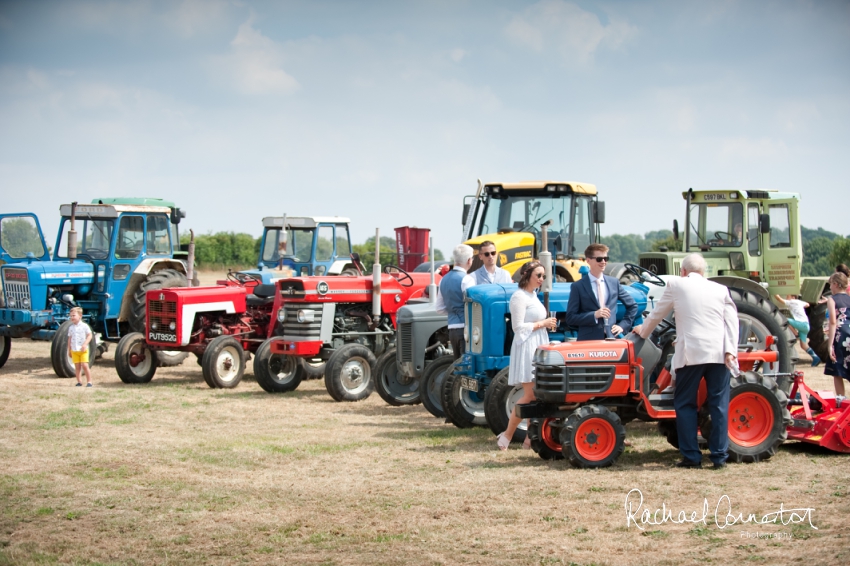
[529, 321]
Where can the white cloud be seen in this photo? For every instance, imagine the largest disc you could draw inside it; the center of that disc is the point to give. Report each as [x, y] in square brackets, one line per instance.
[254, 65]
[193, 16]
[563, 27]
[457, 55]
[748, 149]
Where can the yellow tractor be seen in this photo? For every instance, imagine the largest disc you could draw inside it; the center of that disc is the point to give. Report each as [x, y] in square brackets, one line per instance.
[514, 216]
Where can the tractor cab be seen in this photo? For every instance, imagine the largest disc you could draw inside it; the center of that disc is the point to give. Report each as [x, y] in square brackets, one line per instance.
[515, 215]
[21, 239]
[310, 245]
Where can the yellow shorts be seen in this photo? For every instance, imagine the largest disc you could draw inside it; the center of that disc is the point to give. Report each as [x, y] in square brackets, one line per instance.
[80, 357]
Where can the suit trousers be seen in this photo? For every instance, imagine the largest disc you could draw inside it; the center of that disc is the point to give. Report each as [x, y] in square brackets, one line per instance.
[457, 341]
[717, 401]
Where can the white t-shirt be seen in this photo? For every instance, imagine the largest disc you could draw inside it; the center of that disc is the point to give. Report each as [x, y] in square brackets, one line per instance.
[77, 335]
[798, 309]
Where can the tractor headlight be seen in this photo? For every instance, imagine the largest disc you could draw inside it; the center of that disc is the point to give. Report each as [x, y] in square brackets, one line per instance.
[13, 303]
[546, 357]
[476, 335]
[305, 316]
[281, 315]
[25, 303]
[154, 325]
[172, 326]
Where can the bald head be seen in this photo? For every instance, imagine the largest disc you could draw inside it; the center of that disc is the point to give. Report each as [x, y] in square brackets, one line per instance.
[694, 263]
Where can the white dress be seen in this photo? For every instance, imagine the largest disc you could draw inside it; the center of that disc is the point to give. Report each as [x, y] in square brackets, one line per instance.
[526, 309]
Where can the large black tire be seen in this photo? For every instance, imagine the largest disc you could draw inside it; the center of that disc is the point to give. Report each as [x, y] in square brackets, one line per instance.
[134, 361]
[667, 428]
[313, 370]
[593, 437]
[162, 279]
[5, 348]
[59, 358]
[818, 325]
[277, 373]
[545, 438]
[223, 363]
[499, 401]
[758, 418]
[349, 371]
[760, 318]
[463, 408]
[431, 385]
[170, 358]
[394, 388]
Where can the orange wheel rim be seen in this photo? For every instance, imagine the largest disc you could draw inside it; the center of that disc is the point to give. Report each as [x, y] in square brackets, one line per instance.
[595, 439]
[546, 432]
[750, 419]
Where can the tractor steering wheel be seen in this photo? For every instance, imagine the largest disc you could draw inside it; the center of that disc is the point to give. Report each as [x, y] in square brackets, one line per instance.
[242, 278]
[724, 236]
[645, 275]
[405, 280]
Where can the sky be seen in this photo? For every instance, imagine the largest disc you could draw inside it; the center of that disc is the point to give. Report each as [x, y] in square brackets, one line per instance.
[387, 112]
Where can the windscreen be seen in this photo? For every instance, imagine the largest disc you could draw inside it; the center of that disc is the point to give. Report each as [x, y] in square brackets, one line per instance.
[527, 213]
[299, 244]
[717, 225]
[93, 238]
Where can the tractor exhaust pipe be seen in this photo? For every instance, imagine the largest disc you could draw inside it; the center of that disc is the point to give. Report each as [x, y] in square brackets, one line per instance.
[376, 278]
[72, 235]
[190, 258]
[432, 287]
[545, 257]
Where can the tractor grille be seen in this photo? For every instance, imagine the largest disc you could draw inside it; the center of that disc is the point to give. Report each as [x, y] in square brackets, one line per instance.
[405, 341]
[17, 286]
[657, 265]
[553, 383]
[161, 314]
[308, 330]
[477, 322]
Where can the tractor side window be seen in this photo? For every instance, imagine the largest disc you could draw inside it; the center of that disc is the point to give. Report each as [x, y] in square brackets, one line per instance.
[582, 226]
[325, 243]
[780, 227]
[158, 235]
[753, 229]
[19, 235]
[342, 247]
[131, 237]
[271, 244]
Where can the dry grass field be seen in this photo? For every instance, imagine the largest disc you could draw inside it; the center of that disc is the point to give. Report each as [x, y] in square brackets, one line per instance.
[173, 472]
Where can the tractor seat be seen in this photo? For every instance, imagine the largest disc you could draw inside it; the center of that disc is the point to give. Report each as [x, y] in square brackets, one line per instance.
[263, 295]
[264, 291]
[647, 351]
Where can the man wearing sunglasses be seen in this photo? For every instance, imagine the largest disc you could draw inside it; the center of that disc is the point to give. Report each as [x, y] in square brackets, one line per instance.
[593, 300]
[489, 272]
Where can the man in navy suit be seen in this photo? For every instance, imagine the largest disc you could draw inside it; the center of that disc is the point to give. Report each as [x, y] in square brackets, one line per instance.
[592, 314]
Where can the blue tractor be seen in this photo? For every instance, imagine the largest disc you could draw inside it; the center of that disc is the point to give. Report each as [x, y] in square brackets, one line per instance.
[107, 256]
[475, 391]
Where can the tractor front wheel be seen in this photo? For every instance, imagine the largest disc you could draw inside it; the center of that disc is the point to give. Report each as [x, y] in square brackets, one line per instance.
[394, 387]
[545, 438]
[499, 401]
[59, 357]
[135, 362]
[223, 363]
[277, 373]
[463, 408]
[5, 348]
[593, 437]
[431, 385]
[348, 373]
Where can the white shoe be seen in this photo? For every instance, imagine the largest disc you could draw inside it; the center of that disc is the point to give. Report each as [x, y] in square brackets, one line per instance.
[670, 390]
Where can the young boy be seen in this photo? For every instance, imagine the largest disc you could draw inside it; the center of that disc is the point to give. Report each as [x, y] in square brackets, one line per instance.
[799, 323]
[79, 336]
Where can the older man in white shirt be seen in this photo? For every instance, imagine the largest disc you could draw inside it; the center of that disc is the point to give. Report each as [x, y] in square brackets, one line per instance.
[706, 347]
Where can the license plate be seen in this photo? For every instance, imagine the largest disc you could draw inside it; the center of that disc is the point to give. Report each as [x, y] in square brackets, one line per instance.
[469, 384]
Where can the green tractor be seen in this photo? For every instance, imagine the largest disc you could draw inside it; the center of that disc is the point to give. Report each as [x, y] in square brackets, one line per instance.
[751, 242]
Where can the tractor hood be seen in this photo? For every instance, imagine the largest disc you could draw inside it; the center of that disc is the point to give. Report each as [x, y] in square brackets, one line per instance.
[59, 272]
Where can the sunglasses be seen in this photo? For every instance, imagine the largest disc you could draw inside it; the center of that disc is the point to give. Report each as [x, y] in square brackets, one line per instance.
[599, 259]
[488, 254]
[540, 275]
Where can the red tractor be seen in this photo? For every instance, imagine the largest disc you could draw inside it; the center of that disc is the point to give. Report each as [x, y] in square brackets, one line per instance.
[344, 321]
[219, 324]
[586, 391]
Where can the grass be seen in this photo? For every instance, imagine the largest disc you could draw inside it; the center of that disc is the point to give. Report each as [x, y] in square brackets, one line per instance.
[174, 472]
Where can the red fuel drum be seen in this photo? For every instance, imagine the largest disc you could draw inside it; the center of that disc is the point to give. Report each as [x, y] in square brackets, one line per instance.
[171, 312]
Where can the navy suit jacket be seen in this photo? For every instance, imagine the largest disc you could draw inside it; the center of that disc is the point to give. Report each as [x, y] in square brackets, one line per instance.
[583, 304]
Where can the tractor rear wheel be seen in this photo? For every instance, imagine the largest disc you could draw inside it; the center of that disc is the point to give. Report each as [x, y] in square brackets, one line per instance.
[277, 373]
[5, 348]
[313, 369]
[223, 362]
[463, 408]
[545, 438]
[162, 279]
[135, 362]
[667, 429]
[499, 401]
[759, 318]
[170, 358]
[348, 373]
[758, 418]
[593, 437]
[59, 358]
[394, 387]
[431, 385]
